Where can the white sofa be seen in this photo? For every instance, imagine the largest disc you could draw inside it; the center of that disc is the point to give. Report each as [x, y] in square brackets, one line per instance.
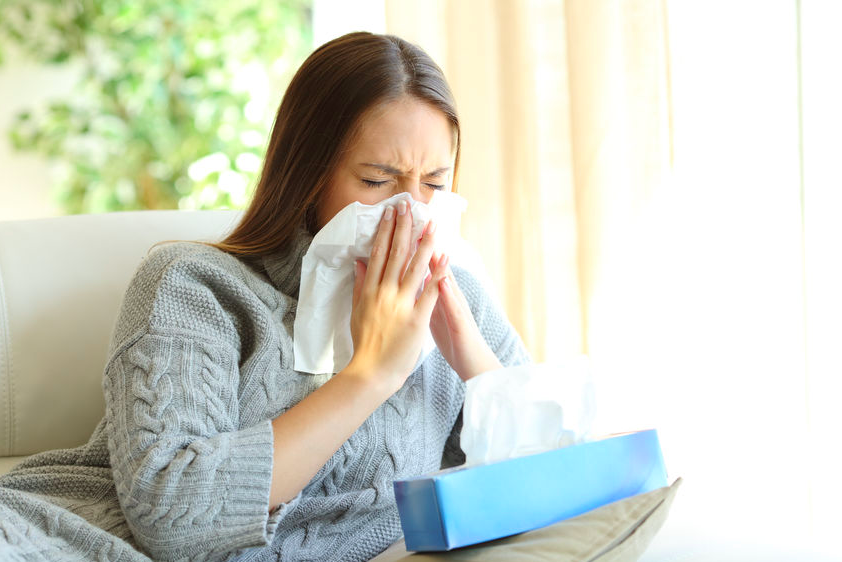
[61, 283]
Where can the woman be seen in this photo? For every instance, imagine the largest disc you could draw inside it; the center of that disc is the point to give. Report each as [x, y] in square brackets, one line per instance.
[214, 448]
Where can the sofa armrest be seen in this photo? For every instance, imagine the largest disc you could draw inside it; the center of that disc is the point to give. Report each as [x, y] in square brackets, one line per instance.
[61, 284]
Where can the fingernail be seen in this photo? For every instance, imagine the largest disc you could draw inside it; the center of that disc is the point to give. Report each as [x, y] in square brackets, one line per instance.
[431, 227]
[444, 259]
[390, 212]
[402, 208]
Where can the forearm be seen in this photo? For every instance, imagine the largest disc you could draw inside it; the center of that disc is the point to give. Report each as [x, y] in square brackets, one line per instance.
[308, 434]
[389, 322]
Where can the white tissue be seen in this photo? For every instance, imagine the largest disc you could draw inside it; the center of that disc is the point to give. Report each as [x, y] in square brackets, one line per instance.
[528, 409]
[322, 330]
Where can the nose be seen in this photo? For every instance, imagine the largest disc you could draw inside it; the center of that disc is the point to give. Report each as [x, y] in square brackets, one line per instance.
[415, 188]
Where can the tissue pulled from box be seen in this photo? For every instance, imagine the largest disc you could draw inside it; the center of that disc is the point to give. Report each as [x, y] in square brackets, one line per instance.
[322, 330]
[517, 411]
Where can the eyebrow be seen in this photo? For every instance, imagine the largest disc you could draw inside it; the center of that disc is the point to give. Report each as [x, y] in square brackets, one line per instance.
[395, 172]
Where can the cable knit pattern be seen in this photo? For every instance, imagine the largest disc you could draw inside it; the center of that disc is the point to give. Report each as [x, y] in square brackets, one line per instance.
[180, 466]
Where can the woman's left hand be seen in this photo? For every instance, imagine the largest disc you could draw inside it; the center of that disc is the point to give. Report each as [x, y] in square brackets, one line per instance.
[455, 332]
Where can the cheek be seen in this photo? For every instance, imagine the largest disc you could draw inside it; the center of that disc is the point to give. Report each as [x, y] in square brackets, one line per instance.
[342, 193]
[327, 209]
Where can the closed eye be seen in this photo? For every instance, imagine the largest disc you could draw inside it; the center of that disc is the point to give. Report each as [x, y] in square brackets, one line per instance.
[380, 183]
[373, 183]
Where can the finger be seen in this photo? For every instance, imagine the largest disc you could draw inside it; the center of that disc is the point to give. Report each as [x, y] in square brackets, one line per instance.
[454, 312]
[437, 319]
[434, 261]
[427, 301]
[417, 268]
[431, 293]
[432, 267]
[380, 250]
[399, 253]
[359, 278]
[457, 291]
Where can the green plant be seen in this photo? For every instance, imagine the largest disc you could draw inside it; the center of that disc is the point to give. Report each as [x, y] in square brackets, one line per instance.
[175, 97]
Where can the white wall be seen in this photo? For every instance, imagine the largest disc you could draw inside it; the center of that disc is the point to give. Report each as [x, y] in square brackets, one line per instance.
[25, 181]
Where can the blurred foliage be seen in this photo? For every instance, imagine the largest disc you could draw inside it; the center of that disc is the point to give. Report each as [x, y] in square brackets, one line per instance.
[175, 98]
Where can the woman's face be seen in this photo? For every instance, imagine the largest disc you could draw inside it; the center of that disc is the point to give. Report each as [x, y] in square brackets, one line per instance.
[403, 145]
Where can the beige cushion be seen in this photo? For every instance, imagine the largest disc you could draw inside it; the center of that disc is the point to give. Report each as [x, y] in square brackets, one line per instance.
[617, 532]
[61, 284]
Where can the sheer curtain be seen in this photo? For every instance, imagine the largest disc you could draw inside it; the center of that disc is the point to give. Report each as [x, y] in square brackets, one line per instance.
[566, 114]
[655, 183]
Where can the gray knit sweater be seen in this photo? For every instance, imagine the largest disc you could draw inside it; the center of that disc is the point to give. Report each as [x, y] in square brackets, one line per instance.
[180, 466]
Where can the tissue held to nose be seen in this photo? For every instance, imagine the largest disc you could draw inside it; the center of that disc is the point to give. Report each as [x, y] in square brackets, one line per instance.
[322, 335]
[528, 409]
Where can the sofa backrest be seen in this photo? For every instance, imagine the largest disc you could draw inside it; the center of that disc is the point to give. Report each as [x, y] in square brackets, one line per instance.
[61, 284]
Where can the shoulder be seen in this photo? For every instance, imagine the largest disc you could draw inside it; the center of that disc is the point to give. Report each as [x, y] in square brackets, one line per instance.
[174, 257]
[178, 271]
[188, 287]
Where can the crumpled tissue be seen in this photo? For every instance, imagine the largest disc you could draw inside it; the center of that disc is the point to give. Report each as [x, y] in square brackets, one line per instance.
[517, 411]
[322, 330]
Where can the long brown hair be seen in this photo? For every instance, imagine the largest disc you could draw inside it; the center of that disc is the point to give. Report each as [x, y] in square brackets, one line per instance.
[321, 109]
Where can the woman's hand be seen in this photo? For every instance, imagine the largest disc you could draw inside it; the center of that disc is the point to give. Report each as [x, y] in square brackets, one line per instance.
[388, 327]
[455, 331]
[388, 323]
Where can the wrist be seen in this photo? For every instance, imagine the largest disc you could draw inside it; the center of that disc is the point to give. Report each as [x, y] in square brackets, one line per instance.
[487, 361]
[369, 378]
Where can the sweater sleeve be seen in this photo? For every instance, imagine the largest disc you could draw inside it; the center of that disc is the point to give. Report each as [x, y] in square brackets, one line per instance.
[191, 482]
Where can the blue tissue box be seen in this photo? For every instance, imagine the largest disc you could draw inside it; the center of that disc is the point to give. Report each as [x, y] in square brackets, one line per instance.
[462, 506]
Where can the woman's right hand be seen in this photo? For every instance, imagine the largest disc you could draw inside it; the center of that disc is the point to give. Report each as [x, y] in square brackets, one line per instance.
[388, 323]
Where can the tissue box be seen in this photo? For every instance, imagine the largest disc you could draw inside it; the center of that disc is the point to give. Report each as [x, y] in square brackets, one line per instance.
[462, 506]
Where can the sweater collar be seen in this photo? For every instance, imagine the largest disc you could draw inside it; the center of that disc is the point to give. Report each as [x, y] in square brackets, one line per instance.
[284, 268]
